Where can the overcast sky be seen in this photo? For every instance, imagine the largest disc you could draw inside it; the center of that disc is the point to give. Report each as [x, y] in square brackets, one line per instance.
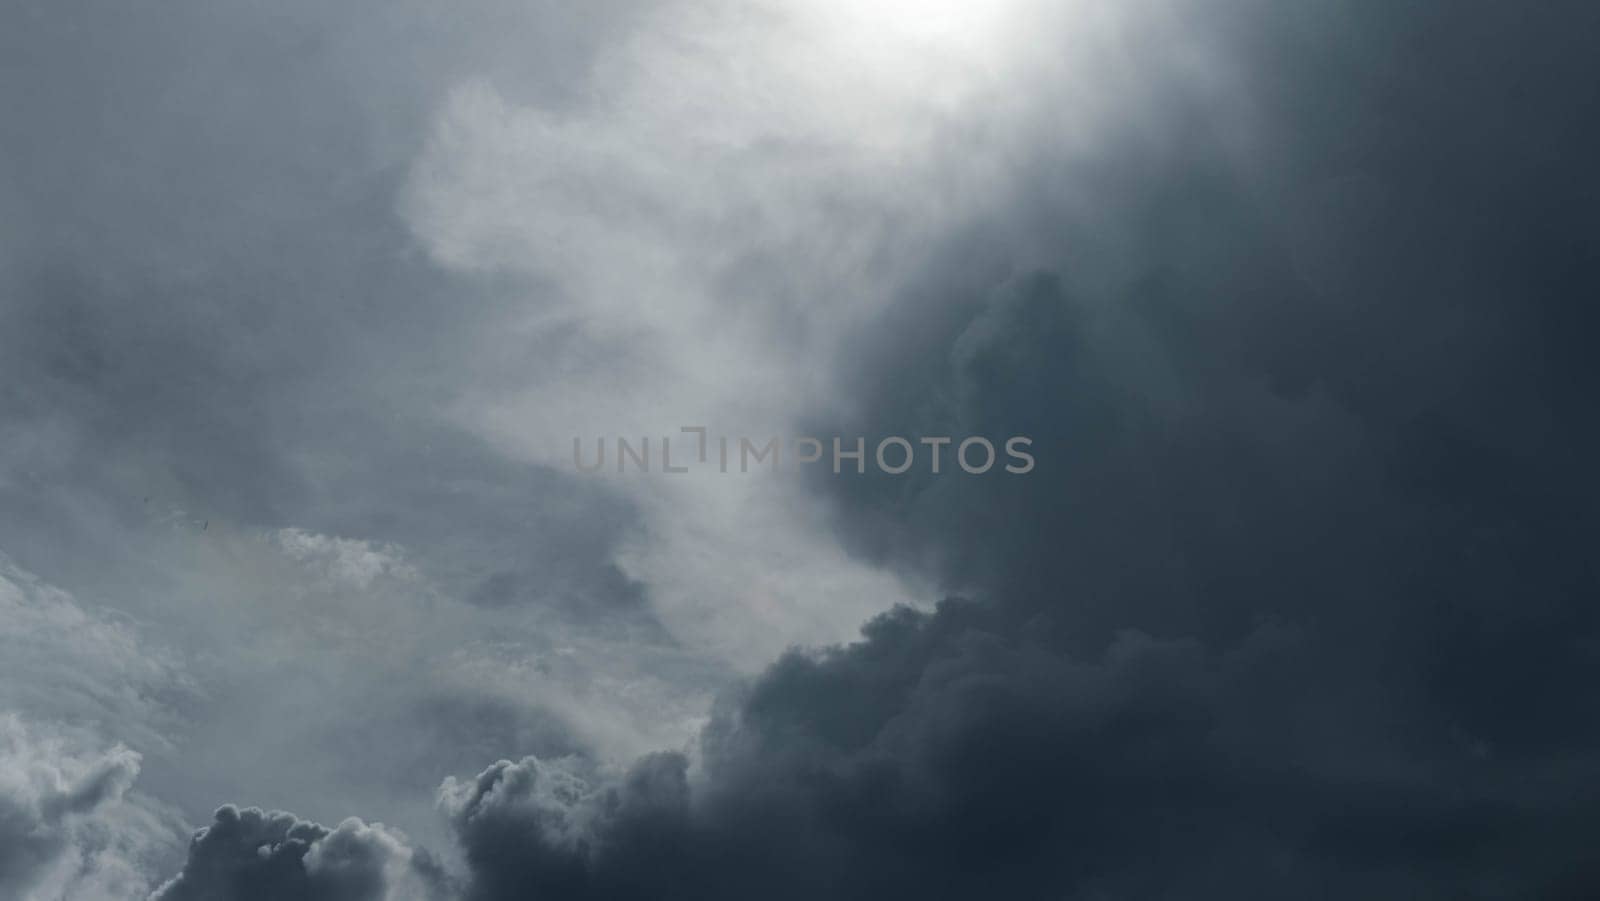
[303, 304]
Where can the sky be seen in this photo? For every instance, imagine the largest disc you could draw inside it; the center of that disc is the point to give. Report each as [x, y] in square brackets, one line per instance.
[304, 306]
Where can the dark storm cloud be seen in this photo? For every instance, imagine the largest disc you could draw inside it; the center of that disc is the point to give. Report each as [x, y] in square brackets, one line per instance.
[956, 753]
[1324, 383]
[1248, 370]
[1298, 602]
[531, 829]
[252, 854]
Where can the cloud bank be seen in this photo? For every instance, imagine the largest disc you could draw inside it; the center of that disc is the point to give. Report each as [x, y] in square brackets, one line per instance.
[297, 329]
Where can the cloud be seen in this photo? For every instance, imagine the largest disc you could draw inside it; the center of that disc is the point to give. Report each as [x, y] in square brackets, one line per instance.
[1294, 603]
[538, 828]
[1289, 298]
[742, 189]
[379, 680]
[60, 661]
[70, 828]
[252, 854]
[955, 752]
[747, 190]
[77, 687]
[345, 560]
[162, 372]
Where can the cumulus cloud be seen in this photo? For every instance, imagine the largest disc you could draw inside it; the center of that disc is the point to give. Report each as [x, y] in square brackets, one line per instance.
[1288, 296]
[252, 854]
[539, 828]
[380, 679]
[954, 753]
[1293, 607]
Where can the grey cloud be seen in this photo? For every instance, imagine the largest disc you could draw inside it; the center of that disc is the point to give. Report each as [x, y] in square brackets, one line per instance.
[71, 829]
[252, 854]
[63, 661]
[212, 304]
[957, 753]
[536, 828]
[1297, 601]
[213, 327]
[37, 805]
